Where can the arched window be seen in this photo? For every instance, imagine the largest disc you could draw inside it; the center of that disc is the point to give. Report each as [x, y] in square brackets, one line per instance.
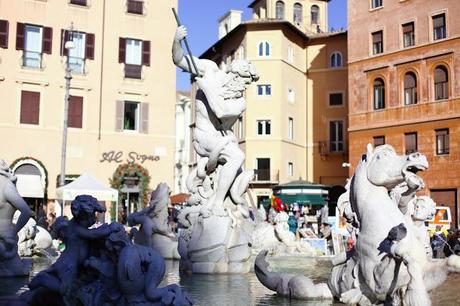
[379, 94]
[336, 60]
[264, 49]
[297, 13]
[279, 10]
[441, 83]
[314, 14]
[410, 88]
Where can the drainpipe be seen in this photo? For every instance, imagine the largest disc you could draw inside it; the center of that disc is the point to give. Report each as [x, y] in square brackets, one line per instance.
[102, 71]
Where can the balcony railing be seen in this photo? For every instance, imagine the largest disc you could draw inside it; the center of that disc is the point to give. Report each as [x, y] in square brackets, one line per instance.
[32, 59]
[133, 71]
[77, 65]
[135, 7]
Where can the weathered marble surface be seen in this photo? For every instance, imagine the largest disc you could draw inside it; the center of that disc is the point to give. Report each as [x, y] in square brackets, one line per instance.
[10, 202]
[217, 236]
[32, 238]
[388, 239]
[101, 266]
[277, 239]
[154, 230]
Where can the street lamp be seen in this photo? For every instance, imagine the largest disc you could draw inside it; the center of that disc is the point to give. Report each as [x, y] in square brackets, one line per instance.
[69, 44]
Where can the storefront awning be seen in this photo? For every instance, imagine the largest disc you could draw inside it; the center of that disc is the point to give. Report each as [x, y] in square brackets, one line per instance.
[302, 199]
[30, 186]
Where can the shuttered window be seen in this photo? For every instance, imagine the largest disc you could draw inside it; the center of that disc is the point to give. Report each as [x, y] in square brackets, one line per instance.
[144, 127]
[335, 99]
[439, 27]
[75, 114]
[30, 107]
[135, 6]
[377, 42]
[134, 54]
[4, 34]
[410, 142]
[408, 34]
[379, 141]
[33, 40]
[83, 49]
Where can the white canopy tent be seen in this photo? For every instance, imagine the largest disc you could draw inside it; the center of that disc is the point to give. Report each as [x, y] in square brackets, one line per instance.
[85, 184]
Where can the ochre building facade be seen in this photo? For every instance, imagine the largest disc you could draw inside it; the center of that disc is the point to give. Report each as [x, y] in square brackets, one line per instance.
[404, 86]
[122, 103]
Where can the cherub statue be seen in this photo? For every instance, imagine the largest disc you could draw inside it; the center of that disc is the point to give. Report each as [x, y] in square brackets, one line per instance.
[59, 277]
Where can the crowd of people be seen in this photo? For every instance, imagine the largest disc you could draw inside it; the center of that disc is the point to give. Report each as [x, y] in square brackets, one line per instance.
[445, 242]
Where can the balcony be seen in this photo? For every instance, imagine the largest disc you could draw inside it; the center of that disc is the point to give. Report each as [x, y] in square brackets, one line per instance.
[133, 71]
[135, 7]
[32, 59]
[263, 176]
[77, 65]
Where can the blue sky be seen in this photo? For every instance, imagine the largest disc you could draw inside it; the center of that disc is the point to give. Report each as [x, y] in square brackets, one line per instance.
[200, 18]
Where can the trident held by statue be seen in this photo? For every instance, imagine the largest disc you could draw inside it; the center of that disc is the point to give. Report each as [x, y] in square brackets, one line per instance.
[186, 45]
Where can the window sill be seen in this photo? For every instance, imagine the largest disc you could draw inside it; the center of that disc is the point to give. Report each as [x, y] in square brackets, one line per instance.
[439, 39]
[376, 8]
[36, 69]
[132, 132]
[442, 155]
[135, 14]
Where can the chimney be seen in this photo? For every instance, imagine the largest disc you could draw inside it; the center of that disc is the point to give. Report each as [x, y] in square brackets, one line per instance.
[229, 21]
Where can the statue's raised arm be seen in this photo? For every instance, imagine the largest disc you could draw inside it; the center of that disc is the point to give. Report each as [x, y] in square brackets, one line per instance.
[185, 61]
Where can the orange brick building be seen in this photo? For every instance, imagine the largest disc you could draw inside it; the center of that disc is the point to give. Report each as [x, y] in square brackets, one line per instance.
[404, 86]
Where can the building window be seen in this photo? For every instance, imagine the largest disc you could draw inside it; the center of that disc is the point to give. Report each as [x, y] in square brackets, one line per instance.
[290, 169]
[376, 3]
[336, 136]
[77, 54]
[240, 127]
[264, 49]
[135, 6]
[336, 60]
[410, 140]
[78, 2]
[297, 13]
[439, 27]
[408, 34]
[379, 141]
[263, 127]
[442, 142]
[441, 83]
[131, 116]
[291, 95]
[264, 90]
[336, 99]
[290, 54]
[377, 42]
[290, 128]
[75, 113]
[379, 94]
[32, 56]
[83, 49]
[263, 169]
[134, 53]
[30, 107]
[4, 26]
[410, 88]
[314, 12]
[279, 10]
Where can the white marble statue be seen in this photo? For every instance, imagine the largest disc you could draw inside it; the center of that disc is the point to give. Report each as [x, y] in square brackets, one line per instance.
[388, 265]
[154, 230]
[277, 238]
[32, 238]
[217, 222]
[10, 201]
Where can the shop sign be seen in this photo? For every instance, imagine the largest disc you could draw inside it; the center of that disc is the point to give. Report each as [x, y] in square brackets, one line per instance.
[131, 157]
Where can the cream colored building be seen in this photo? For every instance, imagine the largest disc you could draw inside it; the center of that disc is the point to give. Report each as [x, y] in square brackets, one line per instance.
[295, 123]
[123, 89]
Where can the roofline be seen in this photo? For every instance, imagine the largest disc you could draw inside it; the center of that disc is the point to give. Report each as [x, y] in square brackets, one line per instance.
[228, 14]
[264, 22]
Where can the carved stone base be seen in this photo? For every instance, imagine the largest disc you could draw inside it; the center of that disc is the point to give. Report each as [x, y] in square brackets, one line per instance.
[218, 246]
[167, 247]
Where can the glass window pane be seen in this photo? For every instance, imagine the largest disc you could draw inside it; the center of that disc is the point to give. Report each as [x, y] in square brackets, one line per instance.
[133, 52]
[33, 39]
